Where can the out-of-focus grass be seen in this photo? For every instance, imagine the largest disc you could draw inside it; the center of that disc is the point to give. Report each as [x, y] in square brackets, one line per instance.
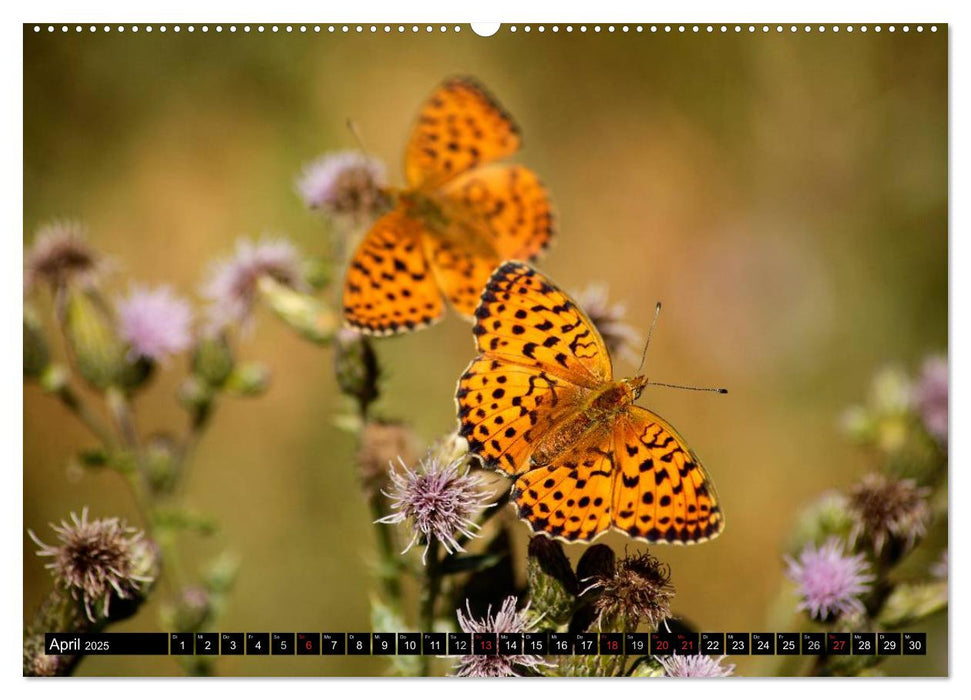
[784, 195]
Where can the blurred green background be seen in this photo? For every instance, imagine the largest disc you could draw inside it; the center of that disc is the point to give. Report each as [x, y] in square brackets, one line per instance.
[785, 195]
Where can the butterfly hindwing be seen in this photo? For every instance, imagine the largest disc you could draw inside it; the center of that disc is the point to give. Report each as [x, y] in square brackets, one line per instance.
[570, 497]
[524, 319]
[461, 264]
[389, 286]
[460, 127]
[510, 206]
[661, 493]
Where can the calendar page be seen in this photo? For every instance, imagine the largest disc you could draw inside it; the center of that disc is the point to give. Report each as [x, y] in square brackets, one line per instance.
[537, 350]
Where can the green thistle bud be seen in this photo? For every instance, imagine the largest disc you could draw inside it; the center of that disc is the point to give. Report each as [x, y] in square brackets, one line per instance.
[356, 366]
[161, 463]
[36, 355]
[829, 516]
[300, 311]
[316, 272]
[213, 360]
[912, 602]
[54, 379]
[552, 583]
[90, 331]
[250, 379]
[196, 394]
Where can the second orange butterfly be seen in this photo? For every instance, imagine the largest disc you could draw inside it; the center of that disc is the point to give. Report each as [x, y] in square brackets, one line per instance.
[461, 215]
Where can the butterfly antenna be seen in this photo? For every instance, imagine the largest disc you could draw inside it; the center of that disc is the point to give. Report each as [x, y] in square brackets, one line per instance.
[352, 127]
[657, 312]
[689, 388]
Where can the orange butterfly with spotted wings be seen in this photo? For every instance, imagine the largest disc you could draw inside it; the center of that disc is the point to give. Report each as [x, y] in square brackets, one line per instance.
[461, 215]
[540, 404]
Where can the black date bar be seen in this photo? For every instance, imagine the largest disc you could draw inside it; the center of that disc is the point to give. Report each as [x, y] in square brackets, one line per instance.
[106, 643]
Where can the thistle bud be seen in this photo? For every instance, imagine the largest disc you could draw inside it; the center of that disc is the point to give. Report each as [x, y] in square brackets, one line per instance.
[161, 463]
[250, 379]
[552, 583]
[91, 335]
[36, 355]
[828, 517]
[302, 312]
[356, 366]
[213, 359]
[912, 602]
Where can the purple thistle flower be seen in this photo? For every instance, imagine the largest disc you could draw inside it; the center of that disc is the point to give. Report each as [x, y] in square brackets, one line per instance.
[233, 283]
[930, 396]
[155, 323]
[346, 185]
[619, 337]
[96, 560]
[506, 619]
[438, 500]
[829, 581]
[697, 666]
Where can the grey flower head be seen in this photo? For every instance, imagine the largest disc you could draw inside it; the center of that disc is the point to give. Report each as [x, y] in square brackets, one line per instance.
[939, 568]
[155, 323]
[620, 338]
[930, 396]
[438, 500]
[60, 256]
[638, 590]
[233, 283]
[506, 619]
[96, 560]
[886, 509]
[697, 666]
[830, 582]
[347, 185]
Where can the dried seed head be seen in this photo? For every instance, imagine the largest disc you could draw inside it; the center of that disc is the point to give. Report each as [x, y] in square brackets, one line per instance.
[61, 256]
[96, 561]
[639, 591]
[888, 510]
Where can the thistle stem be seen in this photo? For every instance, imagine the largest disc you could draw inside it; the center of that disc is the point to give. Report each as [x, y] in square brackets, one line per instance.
[429, 596]
[88, 418]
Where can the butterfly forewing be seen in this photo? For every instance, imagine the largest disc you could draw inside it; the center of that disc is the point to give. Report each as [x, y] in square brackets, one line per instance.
[460, 127]
[523, 319]
[505, 410]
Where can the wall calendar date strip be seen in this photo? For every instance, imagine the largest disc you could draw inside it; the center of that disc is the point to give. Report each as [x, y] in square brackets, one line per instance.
[459, 644]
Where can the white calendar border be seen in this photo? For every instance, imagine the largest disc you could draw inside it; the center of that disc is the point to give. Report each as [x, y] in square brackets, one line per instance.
[516, 11]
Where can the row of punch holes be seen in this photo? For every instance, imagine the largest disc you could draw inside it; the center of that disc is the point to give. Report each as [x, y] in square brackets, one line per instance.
[513, 28]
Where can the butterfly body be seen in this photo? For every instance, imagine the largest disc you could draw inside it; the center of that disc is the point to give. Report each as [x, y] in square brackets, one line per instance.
[459, 216]
[541, 405]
